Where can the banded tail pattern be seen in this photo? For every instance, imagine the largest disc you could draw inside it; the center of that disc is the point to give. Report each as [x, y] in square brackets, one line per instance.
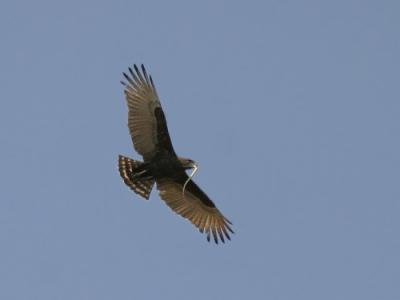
[131, 171]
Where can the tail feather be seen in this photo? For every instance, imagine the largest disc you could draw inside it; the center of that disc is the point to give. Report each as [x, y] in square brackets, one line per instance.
[131, 171]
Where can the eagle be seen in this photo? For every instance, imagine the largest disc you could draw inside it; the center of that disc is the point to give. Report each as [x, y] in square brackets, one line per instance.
[161, 165]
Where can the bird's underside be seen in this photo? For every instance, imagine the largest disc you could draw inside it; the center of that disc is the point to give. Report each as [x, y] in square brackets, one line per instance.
[148, 129]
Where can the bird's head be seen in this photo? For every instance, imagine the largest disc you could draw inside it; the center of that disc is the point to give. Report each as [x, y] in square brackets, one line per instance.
[187, 163]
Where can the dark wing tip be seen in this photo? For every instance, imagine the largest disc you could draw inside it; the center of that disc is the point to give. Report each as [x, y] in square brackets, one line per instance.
[145, 74]
[139, 74]
[226, 233]
[131, 71]
[228, 221]
[215, 237]
[221, 236]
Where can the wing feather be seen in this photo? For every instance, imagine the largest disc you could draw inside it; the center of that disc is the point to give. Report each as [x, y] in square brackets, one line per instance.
[146, 120]
[202, 213]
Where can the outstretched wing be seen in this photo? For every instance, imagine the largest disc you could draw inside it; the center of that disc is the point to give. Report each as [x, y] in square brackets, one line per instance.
[195, 206]
[146, 119]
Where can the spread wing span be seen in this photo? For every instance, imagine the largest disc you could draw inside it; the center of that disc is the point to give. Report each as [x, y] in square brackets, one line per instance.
[195, 206]
[146, 120]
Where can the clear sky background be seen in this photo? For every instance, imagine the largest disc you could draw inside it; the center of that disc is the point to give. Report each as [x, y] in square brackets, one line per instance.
[291, 109]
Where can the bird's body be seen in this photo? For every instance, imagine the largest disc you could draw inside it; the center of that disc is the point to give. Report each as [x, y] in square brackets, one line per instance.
[161, 165]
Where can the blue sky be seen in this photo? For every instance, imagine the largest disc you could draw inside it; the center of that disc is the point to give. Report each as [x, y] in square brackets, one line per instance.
[291, 109]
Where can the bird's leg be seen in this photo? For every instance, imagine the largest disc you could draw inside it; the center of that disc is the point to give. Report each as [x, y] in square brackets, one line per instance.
[190, 177]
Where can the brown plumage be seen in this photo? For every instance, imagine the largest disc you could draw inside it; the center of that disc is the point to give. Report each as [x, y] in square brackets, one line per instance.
[148, 129]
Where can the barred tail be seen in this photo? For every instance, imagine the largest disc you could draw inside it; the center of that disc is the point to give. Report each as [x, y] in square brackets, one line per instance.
[135, 176]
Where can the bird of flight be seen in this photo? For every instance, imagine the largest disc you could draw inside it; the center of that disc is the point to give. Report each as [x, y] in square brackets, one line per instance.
[148, 129]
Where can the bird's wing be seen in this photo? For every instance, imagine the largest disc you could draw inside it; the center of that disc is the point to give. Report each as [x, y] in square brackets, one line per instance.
[195, 206]
[146, 120]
